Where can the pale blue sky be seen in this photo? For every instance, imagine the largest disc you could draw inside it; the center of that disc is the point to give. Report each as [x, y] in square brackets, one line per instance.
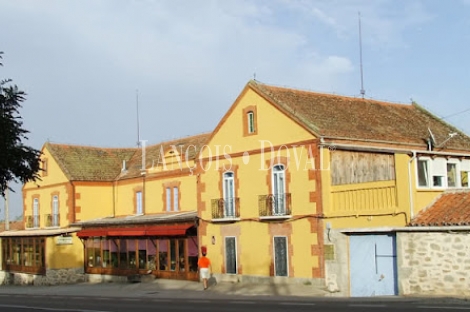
[81, 61]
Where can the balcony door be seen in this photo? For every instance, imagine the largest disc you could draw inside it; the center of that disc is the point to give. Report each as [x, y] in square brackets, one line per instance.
[229, 195]
[279, 187]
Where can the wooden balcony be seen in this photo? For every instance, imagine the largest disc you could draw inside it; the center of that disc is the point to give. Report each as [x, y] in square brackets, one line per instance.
[225, 209]
[277, 206]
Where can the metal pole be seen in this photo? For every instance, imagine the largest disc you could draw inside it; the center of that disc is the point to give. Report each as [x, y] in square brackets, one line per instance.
[7, 217]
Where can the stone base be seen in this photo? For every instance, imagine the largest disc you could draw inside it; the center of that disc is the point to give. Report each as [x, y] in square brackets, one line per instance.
[52, 277]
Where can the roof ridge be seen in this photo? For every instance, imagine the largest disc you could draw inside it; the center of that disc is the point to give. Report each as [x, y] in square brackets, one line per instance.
[182, 138]
[336, 95]
[91, 146]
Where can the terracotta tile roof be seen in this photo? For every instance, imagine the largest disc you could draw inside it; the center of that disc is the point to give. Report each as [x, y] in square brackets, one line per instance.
[189, 147]
[449, 209]
[86, 163]
[363, 119]
[14, 225]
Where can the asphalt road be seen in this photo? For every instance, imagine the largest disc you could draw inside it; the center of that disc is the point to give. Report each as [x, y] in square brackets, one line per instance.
[30, 303]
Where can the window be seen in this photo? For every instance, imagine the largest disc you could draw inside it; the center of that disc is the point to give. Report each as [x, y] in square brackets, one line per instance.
[36, 212]
[451, 175]
[175, 199]
[168, 199]
[24, 254]
[230, 255]
[251, 122]
[172, 198]
[229, 194]
[55, 210]
[280, 256]
[423, 173]
[278, 183]
[441, 172]
[138, 204]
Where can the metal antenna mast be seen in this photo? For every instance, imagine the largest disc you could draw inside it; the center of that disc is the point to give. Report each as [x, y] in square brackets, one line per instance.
[138, 125]
[363, 92]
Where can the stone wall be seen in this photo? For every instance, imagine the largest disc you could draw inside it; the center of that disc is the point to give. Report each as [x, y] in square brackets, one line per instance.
[433, 263]
[336, 263]
[52, 277]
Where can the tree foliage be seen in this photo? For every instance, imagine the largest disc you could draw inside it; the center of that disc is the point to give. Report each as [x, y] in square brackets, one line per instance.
[18, 162]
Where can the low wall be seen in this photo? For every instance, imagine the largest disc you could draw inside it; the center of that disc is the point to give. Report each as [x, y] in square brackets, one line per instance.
[433, 263]
[52, 277]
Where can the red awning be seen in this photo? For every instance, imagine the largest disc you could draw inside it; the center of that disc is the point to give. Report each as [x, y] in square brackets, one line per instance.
[156, 230]
[91, 232]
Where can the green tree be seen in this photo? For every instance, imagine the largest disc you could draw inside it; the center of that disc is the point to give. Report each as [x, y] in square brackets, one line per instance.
[18, 162]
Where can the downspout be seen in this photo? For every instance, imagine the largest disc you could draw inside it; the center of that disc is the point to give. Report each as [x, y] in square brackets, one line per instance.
[410, 185]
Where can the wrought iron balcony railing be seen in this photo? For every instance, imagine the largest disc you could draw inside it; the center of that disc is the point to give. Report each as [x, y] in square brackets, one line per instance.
[52, 220]
[275, 205]
[32, 222]
[226, 208]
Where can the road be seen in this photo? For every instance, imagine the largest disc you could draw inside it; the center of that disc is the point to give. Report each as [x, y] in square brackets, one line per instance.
[34, 303]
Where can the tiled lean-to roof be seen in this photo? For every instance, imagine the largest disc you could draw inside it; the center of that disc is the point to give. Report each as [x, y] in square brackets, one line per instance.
[86, 163]
[451, 208]
[361, 119]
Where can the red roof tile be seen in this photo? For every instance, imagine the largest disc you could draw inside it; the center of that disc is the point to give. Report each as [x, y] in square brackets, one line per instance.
[361, 119]
[86, 163]
[449, 209]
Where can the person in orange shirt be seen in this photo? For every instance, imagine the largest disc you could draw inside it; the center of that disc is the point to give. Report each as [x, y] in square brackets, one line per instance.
[204, 264]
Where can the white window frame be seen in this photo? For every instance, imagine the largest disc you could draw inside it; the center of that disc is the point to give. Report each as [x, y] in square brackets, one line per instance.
[287, 254]
[139, 207]
[437, 167]
[279, 198]
[175, 198]
[457, 173]
[464, 167]
[229, 202]
[168, 198]
[55, 210]
[236, 254]
[251, 122]
[35, 213]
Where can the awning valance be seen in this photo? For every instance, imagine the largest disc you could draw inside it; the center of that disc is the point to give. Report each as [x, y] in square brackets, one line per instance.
[158, 230]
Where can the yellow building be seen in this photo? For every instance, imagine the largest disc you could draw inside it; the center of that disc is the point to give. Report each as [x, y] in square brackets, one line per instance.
[297, 186]
[291, 186]
[129, 207]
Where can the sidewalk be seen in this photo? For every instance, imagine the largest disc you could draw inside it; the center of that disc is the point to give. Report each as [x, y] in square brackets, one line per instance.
[165, 288]
[178, 289]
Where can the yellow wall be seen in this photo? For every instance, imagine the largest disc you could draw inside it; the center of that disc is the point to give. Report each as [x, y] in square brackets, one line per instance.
[93, 201]
[64, 256]
[372, 204]
[153, 193]
[271, 125]
[254, 238]
[54, 183]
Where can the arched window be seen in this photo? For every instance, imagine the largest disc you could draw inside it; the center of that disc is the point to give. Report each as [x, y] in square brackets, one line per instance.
[279, 190]
[229, 194]
[250, 116]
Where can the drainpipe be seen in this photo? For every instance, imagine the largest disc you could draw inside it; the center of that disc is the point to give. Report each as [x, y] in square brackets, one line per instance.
[410, 185]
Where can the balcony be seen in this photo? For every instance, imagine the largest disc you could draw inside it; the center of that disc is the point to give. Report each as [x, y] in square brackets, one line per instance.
[225, 209]
[52, 220]
[276, 206]
[32, 222]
